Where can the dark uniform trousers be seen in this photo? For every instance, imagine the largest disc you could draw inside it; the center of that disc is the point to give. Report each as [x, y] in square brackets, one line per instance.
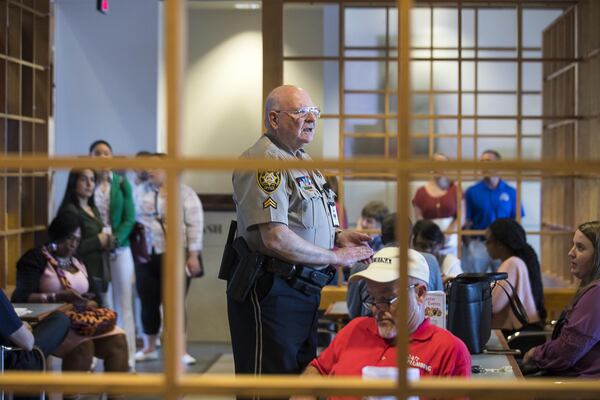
[275, 330]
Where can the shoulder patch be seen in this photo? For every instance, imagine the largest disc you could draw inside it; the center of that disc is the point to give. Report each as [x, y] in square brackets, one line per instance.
[268, 181]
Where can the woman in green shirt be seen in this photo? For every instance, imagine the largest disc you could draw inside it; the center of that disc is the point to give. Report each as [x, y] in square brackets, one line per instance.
[113, 197]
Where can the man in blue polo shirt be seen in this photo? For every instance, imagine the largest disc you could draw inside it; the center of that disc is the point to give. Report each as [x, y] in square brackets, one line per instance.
[486, 201]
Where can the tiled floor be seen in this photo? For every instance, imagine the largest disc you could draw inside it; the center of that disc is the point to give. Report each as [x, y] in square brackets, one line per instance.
[213, 358]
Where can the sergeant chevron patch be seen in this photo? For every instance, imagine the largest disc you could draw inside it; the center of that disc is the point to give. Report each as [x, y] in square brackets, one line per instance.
[269, 202]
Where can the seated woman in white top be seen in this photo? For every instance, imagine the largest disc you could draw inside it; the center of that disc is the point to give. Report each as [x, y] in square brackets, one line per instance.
[505, 240]
[429, 238]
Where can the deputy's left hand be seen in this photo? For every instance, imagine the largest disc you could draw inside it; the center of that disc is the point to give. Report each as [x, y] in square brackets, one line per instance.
[351, 239]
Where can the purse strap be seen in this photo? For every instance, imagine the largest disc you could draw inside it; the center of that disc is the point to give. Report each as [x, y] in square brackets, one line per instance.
[62, 277]
[515, 303]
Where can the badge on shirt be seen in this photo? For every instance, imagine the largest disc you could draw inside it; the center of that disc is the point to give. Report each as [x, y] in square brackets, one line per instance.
[306, 183]
[504, 197]
[268, 181]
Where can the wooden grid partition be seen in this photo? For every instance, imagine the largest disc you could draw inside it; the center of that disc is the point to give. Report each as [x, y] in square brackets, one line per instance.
[25, 76]
[173, 384]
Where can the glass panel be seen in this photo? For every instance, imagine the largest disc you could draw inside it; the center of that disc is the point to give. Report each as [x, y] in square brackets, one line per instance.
[468, 149]
[468, 104]
[468, 126]
[329, 130]
[364, 147]
[532, 54]
[365, 53]
[468, 28]
[319, 78]
[497, 104]
[446, 126]
[364, 75]
[468, 75]
[531, 198]
[419, 147]
[496, 54]
[507, 147]
[445, 53]
[531, 148]
[532, 76]
[448, 146]
[419, 74]
[358, 192]
[496, 126]
[445, 75]
[364, 103]
[393, 26]
[497, 27]
[531, 105]
[322, 39]
[532, 126]
[420, 104]
[445, 27]
[497, 76]
[363, 125]
[420, 27]
[446, 104]
[364, 27]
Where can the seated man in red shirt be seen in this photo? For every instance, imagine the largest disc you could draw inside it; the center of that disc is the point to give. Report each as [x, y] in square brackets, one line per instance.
[370, 341]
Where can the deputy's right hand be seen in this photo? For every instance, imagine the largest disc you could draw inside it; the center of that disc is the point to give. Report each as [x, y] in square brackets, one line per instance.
[347, 256]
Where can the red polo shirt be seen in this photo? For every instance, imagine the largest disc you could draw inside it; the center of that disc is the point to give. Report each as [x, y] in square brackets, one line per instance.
[434, 351]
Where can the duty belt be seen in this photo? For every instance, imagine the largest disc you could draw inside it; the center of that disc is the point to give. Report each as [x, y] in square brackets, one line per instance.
[301, 277]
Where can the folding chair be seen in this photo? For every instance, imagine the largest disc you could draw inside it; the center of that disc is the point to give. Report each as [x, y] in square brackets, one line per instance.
[5, 350]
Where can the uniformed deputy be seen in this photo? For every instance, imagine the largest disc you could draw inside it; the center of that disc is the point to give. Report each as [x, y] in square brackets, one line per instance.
[289, 222]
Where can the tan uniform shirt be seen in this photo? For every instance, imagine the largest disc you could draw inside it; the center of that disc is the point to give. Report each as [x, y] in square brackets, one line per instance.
[300, 199]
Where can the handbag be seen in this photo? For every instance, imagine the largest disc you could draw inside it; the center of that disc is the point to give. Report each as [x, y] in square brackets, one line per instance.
[86, 320]
[470, 308]
[138, 244]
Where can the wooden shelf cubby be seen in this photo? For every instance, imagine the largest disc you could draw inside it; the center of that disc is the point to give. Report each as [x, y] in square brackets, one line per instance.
[25, 107]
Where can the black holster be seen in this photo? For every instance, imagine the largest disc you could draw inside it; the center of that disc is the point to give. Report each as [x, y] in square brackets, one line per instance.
[240, 266]
[230, 257]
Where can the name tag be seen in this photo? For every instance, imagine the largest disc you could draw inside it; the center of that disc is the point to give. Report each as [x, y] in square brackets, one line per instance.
[334, 215]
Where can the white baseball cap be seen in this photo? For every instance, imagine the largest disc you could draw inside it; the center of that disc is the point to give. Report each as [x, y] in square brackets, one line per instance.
[386, 266]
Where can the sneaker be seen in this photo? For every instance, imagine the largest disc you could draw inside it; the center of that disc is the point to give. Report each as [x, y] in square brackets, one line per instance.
[187, 359]
[143, 356]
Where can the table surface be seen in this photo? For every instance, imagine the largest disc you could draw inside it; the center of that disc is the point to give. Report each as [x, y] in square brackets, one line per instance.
[501, 366]
[39, 311]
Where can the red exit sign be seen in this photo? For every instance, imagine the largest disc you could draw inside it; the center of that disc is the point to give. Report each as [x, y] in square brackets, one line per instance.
[103, 6]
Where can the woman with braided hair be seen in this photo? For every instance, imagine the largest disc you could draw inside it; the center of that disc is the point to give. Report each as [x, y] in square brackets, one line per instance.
[505, 239]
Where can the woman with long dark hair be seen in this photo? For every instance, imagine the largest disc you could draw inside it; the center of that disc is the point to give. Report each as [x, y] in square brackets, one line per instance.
[505, 239]
[95, 241]
[575, 346]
